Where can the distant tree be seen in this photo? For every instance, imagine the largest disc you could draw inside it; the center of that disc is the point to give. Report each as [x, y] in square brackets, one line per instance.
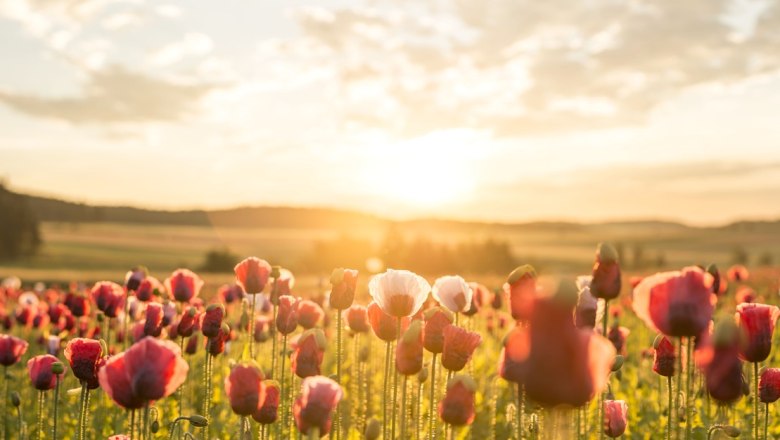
[220, 260]
[766, 259]
[19, 232]
[739, 255]
[639, 256]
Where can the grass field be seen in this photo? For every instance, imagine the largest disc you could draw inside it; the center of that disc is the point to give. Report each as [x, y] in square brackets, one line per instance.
[89, 251]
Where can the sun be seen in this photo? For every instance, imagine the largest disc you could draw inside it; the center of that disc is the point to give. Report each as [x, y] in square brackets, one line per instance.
[425, 172]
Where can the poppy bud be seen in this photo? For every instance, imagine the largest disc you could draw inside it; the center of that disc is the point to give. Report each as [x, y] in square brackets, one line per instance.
[769, 385]
[309, 313]
[459, 346]
[723, 374]
[436, 319]
[286, 315]
[457, 407]
[372, 430]
[409, 351]
[521, 288]
[187, 322]
[155, 427]
[664, 358]
[268, 410]
[422, 375]
[344, 283]
[211, 320]
[615, 417]
[57, 368]
[606, 273]
[16, 401]
[198, 421]
[244, 388]
[308, 352]
[183, 285]
[618, 363]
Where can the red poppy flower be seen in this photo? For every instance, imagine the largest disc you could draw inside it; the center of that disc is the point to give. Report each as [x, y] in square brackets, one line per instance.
[521, 288]
[459, 345]
[229, 293]
[244, 388]
[738, 273]
[313, 408]
[745, 294]
[286, 315]
[78, 304]
[457, 407]
[42, 377]
[344, 282]
[615, 418]
[57, 311]
[148, 288]
[252, 274]
[154, 319]
[109, 298]
[399, 293]
[514, 353]
[769, 385]
[120, 437]
[357, 319]
[308, 352]
[664, 356]
[617, 336]
[606, 273]
[309, 313]
[149, 370]
[723, 372]
[409, 351]
[134, 277]
[187, 322]
[183, 285]
[436, 319]
[283, 281]
[676, 303]
[565, 365]
[267, 411]
[757, 322]
[716, 278]
[384, 325]
[262, 329]
[192, 344]
[84, 355]
[211, 320]
[11, 350]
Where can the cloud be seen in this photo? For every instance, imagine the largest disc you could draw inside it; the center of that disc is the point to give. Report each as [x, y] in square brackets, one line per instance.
[191, 44]
[116, 95]
[519, 67]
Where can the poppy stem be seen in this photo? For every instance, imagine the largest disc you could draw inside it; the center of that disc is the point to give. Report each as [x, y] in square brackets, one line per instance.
[252, 328]
[19, 423]
[207, 397]
[132, 424]
[418, 423]
[688, 396]
[5, 402]
[356, 373]
[755, 401]
[395, 380]
[272, 328]
[431, 426]
[766, 420]
[180, 394]
[669, 408]
[402, 421]
[124, 324]
[82, 411]
[384, 389]
[145, 433]
[40, 415]
[604, 329]
[314, 433]
[678, 387]
[283, 382]
[56, 404]
[337, 428]
[520, 409]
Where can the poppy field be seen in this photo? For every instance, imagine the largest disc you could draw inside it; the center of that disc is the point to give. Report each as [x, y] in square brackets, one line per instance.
[681, 354]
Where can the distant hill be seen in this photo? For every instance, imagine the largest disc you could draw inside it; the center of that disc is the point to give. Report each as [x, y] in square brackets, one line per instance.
[50, 209]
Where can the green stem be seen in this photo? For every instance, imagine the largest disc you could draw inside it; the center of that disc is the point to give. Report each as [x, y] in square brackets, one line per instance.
[283, 382]
[419, 418]
[395, 383]
[132, 424]
[766, 420]
[337, 427]
[314, 433]
[431, 427]
[402, 421]
[56, 405]
[520, 409]
[252, 329]
[274, 354]
[207, 397]
[40, 415]
[145, 432]
[124, 324]
[669, 409]
[5, 403]
[605, 329]
[756, 421]
[20, 423]
[678, 387]
[384, 389]
[688, 404]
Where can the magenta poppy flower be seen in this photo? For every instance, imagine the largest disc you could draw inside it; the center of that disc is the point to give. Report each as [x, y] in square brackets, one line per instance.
[11, 350]
[521, 288]
[344, 283]
[315, 405]
[244, 388]
[183, 285]
[109, 298]
[615, 418]
[757, 322]
[252, 274]
[39, 368]
[457, 406]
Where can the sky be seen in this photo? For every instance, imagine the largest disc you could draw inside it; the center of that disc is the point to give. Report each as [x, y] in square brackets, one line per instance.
[499, 110]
